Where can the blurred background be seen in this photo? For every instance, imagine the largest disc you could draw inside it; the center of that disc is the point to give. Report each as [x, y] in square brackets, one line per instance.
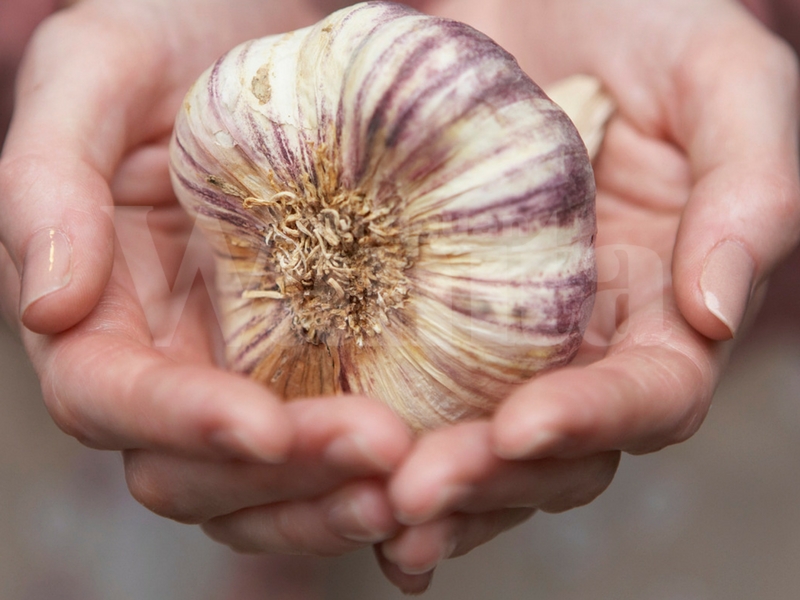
[717, 517]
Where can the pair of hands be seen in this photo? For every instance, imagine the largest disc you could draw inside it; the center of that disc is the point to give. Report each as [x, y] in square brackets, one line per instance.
[697, 201]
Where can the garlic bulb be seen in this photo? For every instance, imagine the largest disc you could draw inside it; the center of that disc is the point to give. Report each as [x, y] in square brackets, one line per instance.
[588, 106]
[397, 210]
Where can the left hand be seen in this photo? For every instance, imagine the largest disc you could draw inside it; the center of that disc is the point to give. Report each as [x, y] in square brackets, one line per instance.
[698, 199]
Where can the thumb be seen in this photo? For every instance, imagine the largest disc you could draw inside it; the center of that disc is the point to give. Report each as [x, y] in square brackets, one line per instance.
[59, 240]
[66, 136]
[738, 121]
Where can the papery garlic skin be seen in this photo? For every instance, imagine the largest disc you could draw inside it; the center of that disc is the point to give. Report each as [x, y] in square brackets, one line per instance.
[473, 193]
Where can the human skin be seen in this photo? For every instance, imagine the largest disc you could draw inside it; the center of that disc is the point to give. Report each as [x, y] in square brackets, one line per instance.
[95, 103]
[714, 196]
[782, 16]
[18, 19]
[693, 163]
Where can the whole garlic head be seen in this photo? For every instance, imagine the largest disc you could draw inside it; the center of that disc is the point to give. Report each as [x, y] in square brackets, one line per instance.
[397, 210]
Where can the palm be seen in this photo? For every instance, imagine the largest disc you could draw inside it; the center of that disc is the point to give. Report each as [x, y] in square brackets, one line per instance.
[642, 186]
[164, 268]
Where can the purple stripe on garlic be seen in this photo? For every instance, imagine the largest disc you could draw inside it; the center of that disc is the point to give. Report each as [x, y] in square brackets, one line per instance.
[396, 210]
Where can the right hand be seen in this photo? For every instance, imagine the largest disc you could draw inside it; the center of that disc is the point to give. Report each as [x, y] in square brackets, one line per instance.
[98, 90]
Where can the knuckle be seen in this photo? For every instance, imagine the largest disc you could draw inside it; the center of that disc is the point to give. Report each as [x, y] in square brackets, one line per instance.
[67, 406]
[471, 531]
[287, 533]
[16, 175]
[256, 531]
[782, 195]
[284, 527]
[504, 520]
[760, 55]
[788, 209]
[49, 28]
[222, 531]
[150, 488]
[65, 414]
[597, 472]
[779, 56]
[144, 484]
[290, 529]
[689, 423]
[609, 463]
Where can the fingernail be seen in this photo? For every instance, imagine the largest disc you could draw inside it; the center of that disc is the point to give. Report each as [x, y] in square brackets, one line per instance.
[447, 500]
[418, 585]
[421, 570]
[528, 446]
[239, 445]
[726, 283]
[445, 553]
[355, 449]
[349, 519]
[47, 267]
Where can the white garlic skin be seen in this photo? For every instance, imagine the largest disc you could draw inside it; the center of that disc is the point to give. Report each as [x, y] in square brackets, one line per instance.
[489, 207]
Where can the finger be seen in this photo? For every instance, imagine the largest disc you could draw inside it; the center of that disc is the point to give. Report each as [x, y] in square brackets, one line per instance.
[735, 111]
[652, 389]
[139, 399]
[9, 281]
[411, 585]
[104, 384]
[142, 177]
[356, 515]
[455, 469]
[81, 84]
[337, 439]
[418, 550]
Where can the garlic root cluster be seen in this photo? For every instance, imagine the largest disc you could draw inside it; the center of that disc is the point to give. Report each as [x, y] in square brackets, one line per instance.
[397, 210]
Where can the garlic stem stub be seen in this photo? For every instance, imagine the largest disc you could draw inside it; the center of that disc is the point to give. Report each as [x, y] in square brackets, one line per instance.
[396, 210]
